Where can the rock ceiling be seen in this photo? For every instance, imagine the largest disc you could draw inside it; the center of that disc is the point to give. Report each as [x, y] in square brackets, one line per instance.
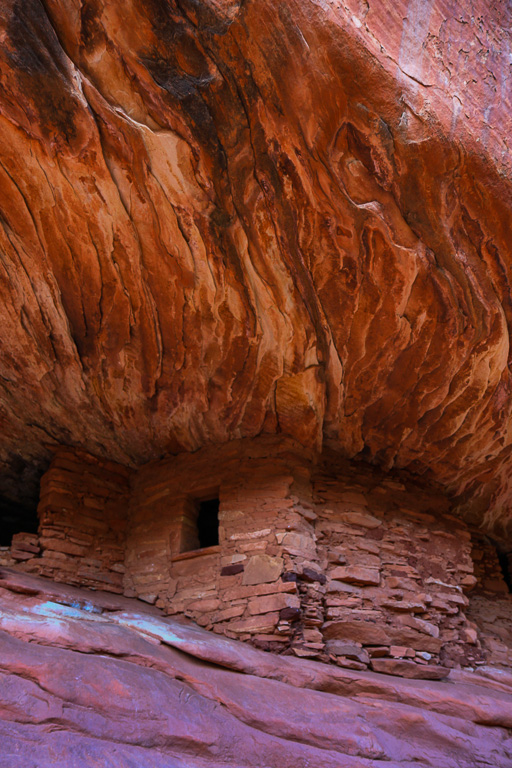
[220, 219]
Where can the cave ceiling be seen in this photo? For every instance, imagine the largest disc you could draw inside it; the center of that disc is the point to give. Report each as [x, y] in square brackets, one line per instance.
[225, 219]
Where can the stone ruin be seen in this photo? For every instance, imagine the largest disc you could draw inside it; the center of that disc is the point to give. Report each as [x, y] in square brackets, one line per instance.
[263, 541]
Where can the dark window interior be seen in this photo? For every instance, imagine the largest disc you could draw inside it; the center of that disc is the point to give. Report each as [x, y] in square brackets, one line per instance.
[208, 523]
[505, 563]
[15, 518]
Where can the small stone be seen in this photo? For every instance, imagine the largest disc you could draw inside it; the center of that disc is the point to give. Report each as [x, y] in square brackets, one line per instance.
[378, 652]
[289, 576]
[308, 574]
[250, 534]
[299, 545]
[231, 570]
[469, 636]
[342, 661]
[397, 651]
[151, 599]
[349, 650]
[468, 582]
[406, 606]
[306, 653]
[289, 614]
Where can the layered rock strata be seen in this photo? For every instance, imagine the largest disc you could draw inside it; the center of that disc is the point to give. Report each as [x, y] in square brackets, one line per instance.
[221, 220]
[90, 677]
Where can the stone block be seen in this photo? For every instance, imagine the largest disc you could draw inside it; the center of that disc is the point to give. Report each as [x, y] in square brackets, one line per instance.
[355, 574]
[238, 593]
[225, 614]
[345, 663]
[253, 546]
[205, 606]
[289, 615]
[340, 586]
[409, 669]
[61, 545]
[16, 555]
[251, 534]
[361, 518]
[269, 603]
[262, 623]
[300, 545]
[405, 606]
[468, 582]
[232, 559]
[427, 627]
[399, 651]
[262, 569]
[25, 542]
[469, 635]
[359, 631]
[368, 633]
[311, 575]
[349, 650]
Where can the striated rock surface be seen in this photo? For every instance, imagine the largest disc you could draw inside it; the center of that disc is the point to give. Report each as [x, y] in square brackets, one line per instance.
[88, 678]
[222, 219]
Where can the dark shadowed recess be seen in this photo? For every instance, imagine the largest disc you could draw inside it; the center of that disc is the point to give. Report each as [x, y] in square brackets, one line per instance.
[15, 518]
[505, 559]
[208, 523]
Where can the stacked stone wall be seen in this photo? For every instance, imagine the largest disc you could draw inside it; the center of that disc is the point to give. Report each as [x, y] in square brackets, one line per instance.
[321, 559]
[490, 606]
[397, 568]
[82, 523]
[349, 567]
[240, 587]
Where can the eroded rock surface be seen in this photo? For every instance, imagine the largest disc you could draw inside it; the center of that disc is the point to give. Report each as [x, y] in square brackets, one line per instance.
[89, 678]
[224, 219]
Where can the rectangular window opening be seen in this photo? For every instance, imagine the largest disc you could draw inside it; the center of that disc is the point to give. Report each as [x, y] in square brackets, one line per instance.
[208, 523]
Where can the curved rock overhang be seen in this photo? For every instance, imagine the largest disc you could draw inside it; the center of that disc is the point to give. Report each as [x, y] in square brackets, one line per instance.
[224, 219]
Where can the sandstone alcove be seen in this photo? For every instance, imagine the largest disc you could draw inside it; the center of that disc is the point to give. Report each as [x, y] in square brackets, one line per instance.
[255, 373]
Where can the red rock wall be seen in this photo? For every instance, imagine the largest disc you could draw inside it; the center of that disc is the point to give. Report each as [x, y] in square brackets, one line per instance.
[82, 512]
[286, 217]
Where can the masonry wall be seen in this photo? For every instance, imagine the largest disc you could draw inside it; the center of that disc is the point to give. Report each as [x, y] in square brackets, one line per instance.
[82, 523]
[316, 558]
[397, 568]
[490, 605]
[245, 587]
[346, 566]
